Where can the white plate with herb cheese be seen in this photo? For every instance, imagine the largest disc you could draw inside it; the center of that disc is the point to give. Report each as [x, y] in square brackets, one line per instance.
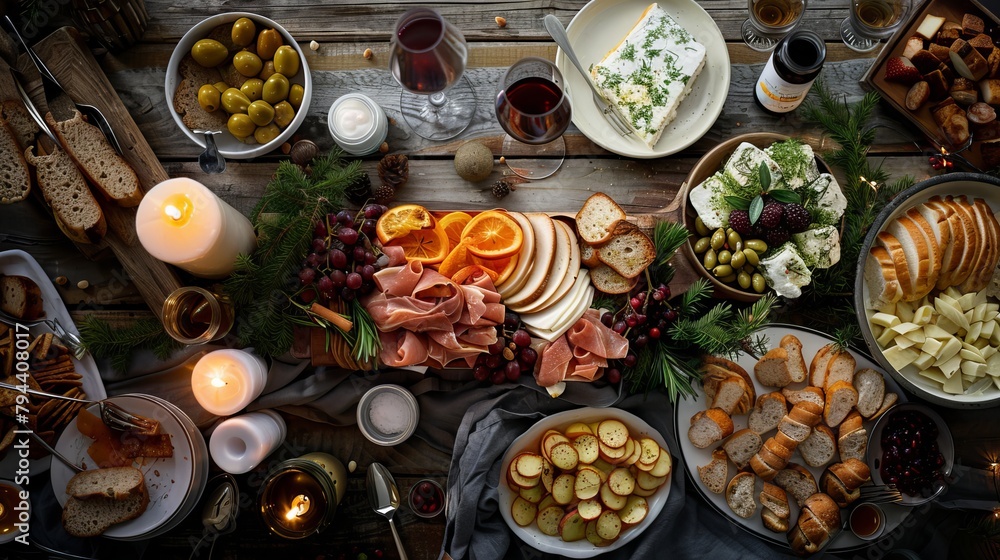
[599, 28]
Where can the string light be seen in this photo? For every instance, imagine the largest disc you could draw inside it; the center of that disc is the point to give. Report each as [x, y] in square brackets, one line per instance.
[871, 184]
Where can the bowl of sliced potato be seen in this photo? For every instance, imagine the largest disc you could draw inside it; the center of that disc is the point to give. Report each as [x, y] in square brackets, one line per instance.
[583, 482]
[927, 290]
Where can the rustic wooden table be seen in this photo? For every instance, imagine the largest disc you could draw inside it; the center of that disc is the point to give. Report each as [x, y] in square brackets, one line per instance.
[345, 29]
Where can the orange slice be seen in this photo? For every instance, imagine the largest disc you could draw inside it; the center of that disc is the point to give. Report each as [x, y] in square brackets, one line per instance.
[462, 275]
[428, 246]
[453, 224]
[502, 267]
[399, 221]
[493, 235]
[456, 260]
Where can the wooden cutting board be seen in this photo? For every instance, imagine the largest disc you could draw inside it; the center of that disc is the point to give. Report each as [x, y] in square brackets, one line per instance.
[72, 63]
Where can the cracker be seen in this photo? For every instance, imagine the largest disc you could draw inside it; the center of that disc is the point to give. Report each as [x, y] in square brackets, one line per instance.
[42, 350]
[42, 374]
[42, 364]
[46, 410]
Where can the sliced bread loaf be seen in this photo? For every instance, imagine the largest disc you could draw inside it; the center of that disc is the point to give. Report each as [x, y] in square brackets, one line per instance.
[90, 518]
[117, 483]
[887, 402]
[597, 218]
[741, 446]
[629, 251]
[740, 495]
[21, 297]
[986, 262]
[933, 247]
[709, 426]
[817, 367]
[871, 390]
[796, 363]
[951, 255]
[880, 276]
[772, 369]
[729, 395]
[818, 449]
[840, 400]
[810, 393]
[606, 280]
[15, 182]
[972, 241]
[102, 165]
[769, 410]
[918, 253]
[904, 274]
[794, 429]
[715, 474]
[24, 127]
[77, 212]
[797, 481]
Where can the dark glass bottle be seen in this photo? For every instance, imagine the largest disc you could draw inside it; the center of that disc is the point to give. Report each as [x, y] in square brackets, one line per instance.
[790, 72]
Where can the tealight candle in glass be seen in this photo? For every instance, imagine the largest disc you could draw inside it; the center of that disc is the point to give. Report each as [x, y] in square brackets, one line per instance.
[300, 496]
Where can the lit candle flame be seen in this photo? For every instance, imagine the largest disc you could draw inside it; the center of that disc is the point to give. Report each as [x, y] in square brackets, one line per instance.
[218, 382]
[300, 505]
[173, 212]
[944, 151]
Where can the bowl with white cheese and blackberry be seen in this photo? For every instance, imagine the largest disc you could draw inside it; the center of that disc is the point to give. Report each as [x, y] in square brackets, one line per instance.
[764, 213]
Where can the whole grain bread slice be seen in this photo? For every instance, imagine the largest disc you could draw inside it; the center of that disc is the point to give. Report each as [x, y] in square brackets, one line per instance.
[769, 410]
[25, 128]
[90, 518]
[715, 474]
[21, 297]
[629, 251]
[741, 446]
[740, 495]
[819, 448]
[597, 218]
[606, 280]
[15, 180]
[117, 483]
[772, 368]
[102, 165]
[76, 211]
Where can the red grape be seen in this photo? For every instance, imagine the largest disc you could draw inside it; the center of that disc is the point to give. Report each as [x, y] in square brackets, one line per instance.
[498, 377]
[521, 338]
[325, 286]
[481, 373]
[345, 218]
[372, 211]
[529, 356]
[347, 236]
[630, 359]
[339, 278]
[613, 375]
[513, 371]
[320, 229]
[354, 280]
[338, 259]
[306, 276]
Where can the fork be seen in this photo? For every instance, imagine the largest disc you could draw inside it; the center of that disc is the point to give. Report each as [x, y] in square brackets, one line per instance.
[111, 414]
[879, 494]
[53, 90]
[71, 340]
[611, 113]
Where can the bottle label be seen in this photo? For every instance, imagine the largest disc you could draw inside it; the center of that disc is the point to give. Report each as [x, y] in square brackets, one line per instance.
[776, 94]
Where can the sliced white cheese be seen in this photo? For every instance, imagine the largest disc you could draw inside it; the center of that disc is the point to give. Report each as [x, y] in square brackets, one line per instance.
[975, 329]
[924, 361]
[953, 385]
[949, 367]
[932, 346]
[905, 311]
[934, 374]
[935, 331]
[951, 348]
[887, 336]
[899, 358]
[974, 369]
[885, 320]
[971, 356]
[553, 317]
[904, 328]
[923, 315]
[903, 342]
[576, 313]
[820, 247]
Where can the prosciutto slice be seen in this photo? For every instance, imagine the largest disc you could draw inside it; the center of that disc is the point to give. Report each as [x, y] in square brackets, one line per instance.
[582, 353]
[426, 319]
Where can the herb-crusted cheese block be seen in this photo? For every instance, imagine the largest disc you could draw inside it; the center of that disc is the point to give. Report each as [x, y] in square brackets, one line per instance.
[785, 272]
[828, 201]
[709, 200]
[820, 247]
[650, 72]
[796, 160]
[741, 173]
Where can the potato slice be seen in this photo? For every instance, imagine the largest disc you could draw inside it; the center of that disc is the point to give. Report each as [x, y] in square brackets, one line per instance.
[590, 509]
[587, 448]
[663, 464]
[633, 458]
[519, 480]
[610, 499]
[609, 525]
[547, 502]
[635, 511]
[647, 481]
[613, 455]
[593, 537]
[550, 440]
[587, 483]
[523, 512]
[572, 527]
[612, 433]
[548, 475]
[578, 429]
[533, 495]
[650, 451]
[563, 489]
[548, 520]
[564, 456]
[529, 465]
[621, 481]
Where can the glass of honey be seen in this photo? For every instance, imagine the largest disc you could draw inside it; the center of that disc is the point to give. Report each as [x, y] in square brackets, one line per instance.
[12, 508]
[193, 315]
[867, 521]
[769, 21]
[872, 20]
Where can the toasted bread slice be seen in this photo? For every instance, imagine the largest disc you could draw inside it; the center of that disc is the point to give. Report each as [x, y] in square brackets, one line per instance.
[709, 426]
[871, 390]
[597, 218]
[740, 495]
[771, 369]
[20, 297]
[629, 251]
[117, 483]
[819, 448]
[76, 211]
[767, 413]
[715, 474]
[741, 446]
[90, 518]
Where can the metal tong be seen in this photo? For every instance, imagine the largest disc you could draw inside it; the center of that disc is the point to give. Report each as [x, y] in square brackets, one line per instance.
[53, 90]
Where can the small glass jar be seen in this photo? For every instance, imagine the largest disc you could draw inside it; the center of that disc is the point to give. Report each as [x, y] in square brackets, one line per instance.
[357, 124]
[388, 414]
[299, 497]
[426, 498]
[193, 315]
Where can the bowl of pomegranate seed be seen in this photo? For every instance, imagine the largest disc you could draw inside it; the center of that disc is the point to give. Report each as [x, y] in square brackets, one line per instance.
[911, 447]
[426, 498]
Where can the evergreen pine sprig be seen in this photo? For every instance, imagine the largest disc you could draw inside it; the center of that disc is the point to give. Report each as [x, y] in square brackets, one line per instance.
[117, 344]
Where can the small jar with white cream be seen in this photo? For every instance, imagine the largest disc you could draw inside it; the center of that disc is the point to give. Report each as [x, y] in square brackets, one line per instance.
[357, 124]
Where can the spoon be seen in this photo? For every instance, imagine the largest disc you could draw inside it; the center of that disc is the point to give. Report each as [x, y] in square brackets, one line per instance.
[383, 495]
[211, 161]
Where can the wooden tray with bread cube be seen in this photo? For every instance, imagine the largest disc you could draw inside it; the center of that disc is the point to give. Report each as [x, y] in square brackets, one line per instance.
[765, 435]
[928, 290]
[582, 482]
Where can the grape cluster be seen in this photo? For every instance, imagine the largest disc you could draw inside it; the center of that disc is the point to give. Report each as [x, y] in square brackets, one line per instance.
[508, 357]
[643, 321]
[342, 259]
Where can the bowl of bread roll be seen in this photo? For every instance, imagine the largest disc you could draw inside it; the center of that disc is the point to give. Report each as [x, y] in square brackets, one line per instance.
[927, 290]
[243, 75]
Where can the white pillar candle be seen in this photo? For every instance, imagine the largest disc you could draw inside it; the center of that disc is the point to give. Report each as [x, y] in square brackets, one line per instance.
[240, 443]
[182, 222]
[225, 381]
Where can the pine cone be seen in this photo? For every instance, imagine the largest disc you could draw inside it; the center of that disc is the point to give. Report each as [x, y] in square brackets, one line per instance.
[502, 188]
[384, 194]
[394, 170]
[360, 189]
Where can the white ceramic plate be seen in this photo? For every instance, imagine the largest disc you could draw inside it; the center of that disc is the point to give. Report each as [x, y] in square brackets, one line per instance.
[168, 480]
[599, 27]
[22, 264]
[529, 441]
[955, 184]
[812, 341]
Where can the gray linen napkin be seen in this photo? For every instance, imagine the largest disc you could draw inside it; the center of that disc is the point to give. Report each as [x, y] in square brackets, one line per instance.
[686, 528]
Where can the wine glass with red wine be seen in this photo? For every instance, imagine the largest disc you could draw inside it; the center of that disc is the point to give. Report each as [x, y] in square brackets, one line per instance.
[427, 57]
[532, 107]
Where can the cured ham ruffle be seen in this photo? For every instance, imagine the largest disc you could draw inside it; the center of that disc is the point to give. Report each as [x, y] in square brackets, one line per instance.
[582, 353]
[426, 319]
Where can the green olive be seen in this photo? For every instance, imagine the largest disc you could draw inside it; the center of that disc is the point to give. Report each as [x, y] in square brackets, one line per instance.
[261, 112]
[725, 256]
[757, 245]
[209, 53]
[710, 259]
[759, 284]
[722, 270]
[247, 63]
[221, 86]
[253, 88]
[295, 95]
[209, 98]
[728, 278]
[267, 71]
[744, 280]
[700, 227]
[738, 246]
[752, 257]
[244, 32]
[749, 269]
[702, 245]
[265, 134]
[275, 89]
[286, 61]
[233, 101]
[283, 114]
[267, 43]
[718, 239]
[733, 238]
[738, 259]
[240, 125]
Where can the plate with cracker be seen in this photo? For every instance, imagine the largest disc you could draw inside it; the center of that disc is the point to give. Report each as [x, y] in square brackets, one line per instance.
[27, 292]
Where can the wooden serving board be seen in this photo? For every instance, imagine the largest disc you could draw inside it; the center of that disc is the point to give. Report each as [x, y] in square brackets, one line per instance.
[72, 63]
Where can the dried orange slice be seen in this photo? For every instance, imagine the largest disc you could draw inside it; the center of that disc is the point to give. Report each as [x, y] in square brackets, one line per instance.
[429, 245]
[456, 260]
[502, 267]
[453, 224]
[401, 220]
[493, 235]
[462, 275]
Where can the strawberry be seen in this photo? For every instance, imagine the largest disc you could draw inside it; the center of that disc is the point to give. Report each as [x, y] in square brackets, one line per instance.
[900, 70]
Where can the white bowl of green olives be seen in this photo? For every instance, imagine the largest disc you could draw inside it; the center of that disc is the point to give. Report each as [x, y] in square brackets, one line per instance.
[244, 75]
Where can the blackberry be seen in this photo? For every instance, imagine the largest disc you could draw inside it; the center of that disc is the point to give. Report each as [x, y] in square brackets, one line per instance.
[796, 218]
[777, 237]
[739, 220]
[771, 216]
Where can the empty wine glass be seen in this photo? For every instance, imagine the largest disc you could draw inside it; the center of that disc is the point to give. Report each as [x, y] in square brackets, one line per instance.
[427, 57]
[532, 107]
[769, 21]
[871, 20]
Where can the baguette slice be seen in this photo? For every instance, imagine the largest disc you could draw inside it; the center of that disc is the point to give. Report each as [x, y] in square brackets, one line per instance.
[818, 449]
[797, 481]
[715, 474]
[740, 495]
[840, 368]
[742, 446]
[772, 369]
[796, 363]
[794, 429]
[817, 368]
[887, 402]
[15, 181]
[90, 518]
[852, 439]
[767, 413]
[972, 238]
[951, 257]
[810, 393]
[774, 508]
[840, 399]
[77, 212]
[819, 521]
[117, 483]
[21, 298]
[880, 275]
[854, 473]
[102, 165]
[906, 275]
[982, 271]
[709, 426]
[629, 251]
[729, 394]
[871, 390]
[832, 486]
[596, 220]
[806, 412]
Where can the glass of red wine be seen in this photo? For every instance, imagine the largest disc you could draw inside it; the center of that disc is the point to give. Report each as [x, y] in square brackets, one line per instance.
[532, 107]
[427, 57]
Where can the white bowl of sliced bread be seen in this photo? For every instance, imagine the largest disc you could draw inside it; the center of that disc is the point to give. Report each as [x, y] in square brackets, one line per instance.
[184, 78]
[927, 290]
